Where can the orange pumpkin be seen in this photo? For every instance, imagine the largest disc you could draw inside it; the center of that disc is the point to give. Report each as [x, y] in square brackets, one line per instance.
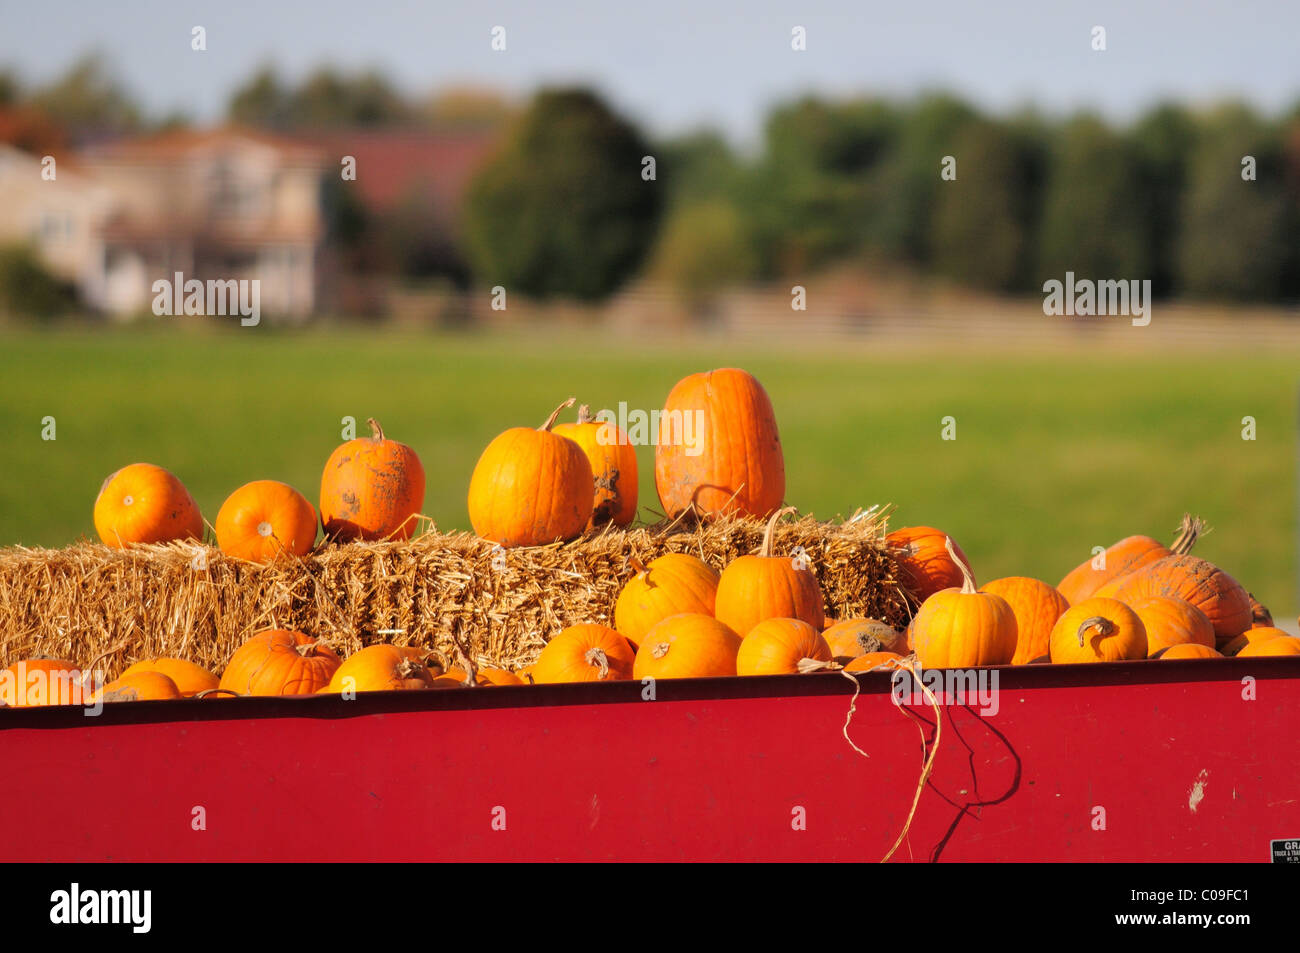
[190, 679]
[783, 647]
[279, 662]
[1283, 645]
[754, 588]
[1184, 650]
[613, 464]
[672, 584]
[718, 448]
[266, 519]
[1124, 557]
[856, 637]
[584, 653]
[690, 645]
[925, 562]
[456, 677]
[499, 676]
[1198, 582]
[372, 488]
[40, 681]
[382, 668]
[960, 628]
[532, 487]
[875, 662]
[1254, 634]
[142, 686]
[1098, 630]
[1037, 606]
[142, 503]
[1172, 622]
[1260, 617]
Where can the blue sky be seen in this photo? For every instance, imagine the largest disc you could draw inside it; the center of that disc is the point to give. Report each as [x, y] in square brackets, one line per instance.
[676, 64]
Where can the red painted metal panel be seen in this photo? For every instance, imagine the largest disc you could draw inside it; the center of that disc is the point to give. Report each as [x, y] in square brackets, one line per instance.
[711, 770]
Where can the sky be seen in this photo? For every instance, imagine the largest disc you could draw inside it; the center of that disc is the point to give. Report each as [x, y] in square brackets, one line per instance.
[675, 65]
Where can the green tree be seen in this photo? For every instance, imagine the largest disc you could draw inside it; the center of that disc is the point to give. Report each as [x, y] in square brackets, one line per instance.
[1234, 238]
[327, 98]
[1163, 139]
[562, 209]
[703, 248]
[88, 97]
[1093, 220]
[27, 289]
[262, 101]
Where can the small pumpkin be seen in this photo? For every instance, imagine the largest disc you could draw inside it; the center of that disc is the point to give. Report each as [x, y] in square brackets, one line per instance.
[1172, 622]
[280, 662]
[143, 503]
[1124, 557]
[1254, 634]
[783, 647]
[875, 662]
[613, 465]
[456, 677]
[40, 681]
[1037, 606]
[670, 585]
[767, 586]
[690, 645]
[856, 637]
[1184, 650]
[584, 653]
[1198, 582]
[960, 628]
[925, 561]
[190, 679]
[264, 520]
[532, 487]
[499, 676]
[372, 488]
[1282, 645]
[1098, 630]
[382, 668]
[142, 686]
[718, 448]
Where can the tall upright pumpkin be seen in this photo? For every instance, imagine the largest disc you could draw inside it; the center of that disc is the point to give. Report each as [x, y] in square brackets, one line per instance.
[532, 487]
[613, 465]
[767, 586]
[372, 488]
[1128, 555]
[718, 448]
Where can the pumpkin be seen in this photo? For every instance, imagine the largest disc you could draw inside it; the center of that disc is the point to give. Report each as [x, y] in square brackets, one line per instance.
[499, 676]
[754, 588]
[531, 487]
[1172, 622]
[1184, 650]
[856, 637]
[1124, 557]
[142, 503]
[40, 681]
[456, 677]
[1098, 630]
[266, 519]
[190, 679]
[925, 562]
[783, 647]
[718, 450]
[142, 686]
[372, 488]
[875, 662]
[584, 653]
[1037, 606]
[1255, 634]
[1260, 617]
[690, 645]
[1198, 582]
[382, 668]
[1283, 645]
[960, 628]
[671, 584]
[613, 465]
[279, 662]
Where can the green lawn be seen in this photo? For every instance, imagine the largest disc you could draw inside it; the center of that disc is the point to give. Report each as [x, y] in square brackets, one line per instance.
[1054, 453]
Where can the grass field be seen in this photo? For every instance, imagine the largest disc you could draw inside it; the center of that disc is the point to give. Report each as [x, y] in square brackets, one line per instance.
[1054, 453]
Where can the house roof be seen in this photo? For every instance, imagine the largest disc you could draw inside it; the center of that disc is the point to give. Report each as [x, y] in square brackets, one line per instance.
[174, 144]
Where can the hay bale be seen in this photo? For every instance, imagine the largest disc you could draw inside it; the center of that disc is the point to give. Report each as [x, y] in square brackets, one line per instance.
[438, 590]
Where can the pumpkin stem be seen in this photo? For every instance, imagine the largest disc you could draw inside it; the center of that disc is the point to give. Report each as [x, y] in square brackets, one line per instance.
[766, 550]
[967, 579]
[584, 414]
[306, 650]
[659, 649]
[217, 691]
[550, 421]
[376, 431]
[471, 670]
[597, 657]
[408, 668]
[808, 665]
[638, 567]
[1102, 624]
[1189, 531]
